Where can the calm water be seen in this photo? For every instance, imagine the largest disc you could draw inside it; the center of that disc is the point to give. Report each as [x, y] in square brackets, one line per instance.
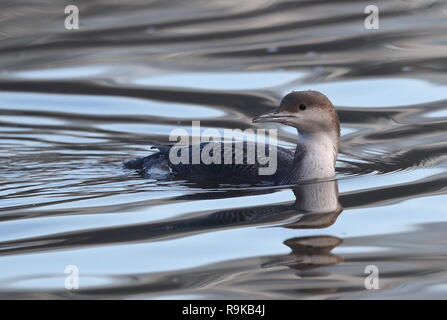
[75, 103]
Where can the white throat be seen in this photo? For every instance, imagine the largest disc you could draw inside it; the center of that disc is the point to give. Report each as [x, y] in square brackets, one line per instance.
[321, 151]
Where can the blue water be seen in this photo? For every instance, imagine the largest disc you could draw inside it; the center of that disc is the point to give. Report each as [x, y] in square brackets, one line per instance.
[75, 104]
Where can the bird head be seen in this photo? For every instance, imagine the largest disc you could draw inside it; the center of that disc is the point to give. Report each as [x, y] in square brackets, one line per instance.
[311, 112]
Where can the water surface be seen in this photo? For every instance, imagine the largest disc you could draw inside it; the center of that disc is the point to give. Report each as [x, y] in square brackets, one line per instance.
[75, 103]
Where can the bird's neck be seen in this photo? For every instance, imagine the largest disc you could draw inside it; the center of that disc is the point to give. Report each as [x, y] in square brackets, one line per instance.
[316, 155]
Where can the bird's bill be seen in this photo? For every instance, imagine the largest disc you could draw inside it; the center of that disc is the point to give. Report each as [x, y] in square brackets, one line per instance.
[272, 117]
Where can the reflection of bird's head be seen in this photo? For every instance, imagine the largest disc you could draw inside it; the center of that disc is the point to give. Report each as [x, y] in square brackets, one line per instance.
[308, 253]
[310, 112]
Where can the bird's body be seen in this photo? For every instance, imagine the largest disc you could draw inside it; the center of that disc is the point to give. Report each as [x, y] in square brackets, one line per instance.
[314, 157]
[159, 165]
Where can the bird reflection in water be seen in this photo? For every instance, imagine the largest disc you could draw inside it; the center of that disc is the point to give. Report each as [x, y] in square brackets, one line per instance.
[316, 206]
[319, 204]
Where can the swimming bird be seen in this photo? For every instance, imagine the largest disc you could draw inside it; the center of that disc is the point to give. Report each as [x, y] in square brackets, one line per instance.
[310, 112]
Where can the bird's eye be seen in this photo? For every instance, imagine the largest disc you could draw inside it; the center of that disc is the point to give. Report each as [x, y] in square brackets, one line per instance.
[302, 107]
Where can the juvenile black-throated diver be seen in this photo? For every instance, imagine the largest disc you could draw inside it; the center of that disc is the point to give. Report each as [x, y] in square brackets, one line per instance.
[316, 120]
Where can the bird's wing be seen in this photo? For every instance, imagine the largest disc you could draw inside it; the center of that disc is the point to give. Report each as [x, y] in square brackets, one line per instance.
[237, 162]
